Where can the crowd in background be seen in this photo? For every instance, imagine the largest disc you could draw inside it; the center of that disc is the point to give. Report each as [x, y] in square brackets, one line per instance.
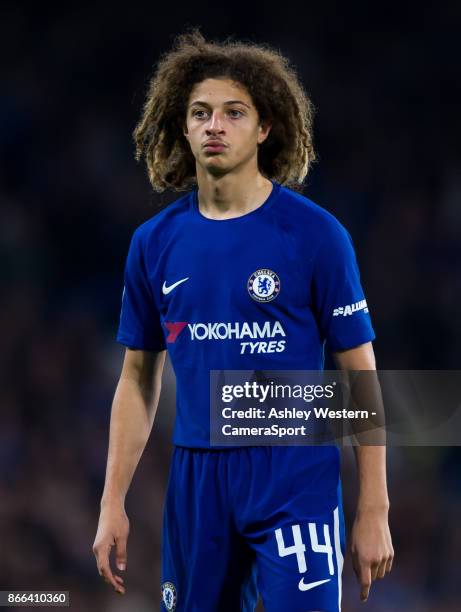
[387, 135]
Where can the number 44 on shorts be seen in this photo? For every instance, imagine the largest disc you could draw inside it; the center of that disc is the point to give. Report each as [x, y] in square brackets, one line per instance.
[298, 548]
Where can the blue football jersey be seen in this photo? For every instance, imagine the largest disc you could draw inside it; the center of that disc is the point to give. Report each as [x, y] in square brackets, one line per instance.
[263, 291]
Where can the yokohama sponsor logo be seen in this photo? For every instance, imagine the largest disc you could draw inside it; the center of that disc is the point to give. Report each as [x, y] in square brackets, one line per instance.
[237, 330]
[344, 311]
[174, 329]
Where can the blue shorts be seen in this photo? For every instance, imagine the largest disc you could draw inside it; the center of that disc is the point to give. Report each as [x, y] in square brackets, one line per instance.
[253, 519]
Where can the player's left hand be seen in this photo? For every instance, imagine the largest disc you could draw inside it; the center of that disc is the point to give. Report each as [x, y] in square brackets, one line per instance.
[371, 545]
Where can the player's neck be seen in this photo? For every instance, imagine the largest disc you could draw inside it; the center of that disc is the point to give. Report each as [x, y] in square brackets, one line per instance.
[231, 195]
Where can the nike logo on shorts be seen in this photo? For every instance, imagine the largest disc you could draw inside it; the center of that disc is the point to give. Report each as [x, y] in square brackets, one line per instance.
[311, 585]
[166, 290]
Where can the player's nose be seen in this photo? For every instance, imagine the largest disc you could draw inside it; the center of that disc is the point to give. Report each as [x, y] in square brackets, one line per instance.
[216, 123]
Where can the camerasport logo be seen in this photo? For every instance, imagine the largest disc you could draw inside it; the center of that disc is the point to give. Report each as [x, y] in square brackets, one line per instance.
[255, 337]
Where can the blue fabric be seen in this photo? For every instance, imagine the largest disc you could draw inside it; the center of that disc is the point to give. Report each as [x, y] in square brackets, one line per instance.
[229, 523]
[191, 287]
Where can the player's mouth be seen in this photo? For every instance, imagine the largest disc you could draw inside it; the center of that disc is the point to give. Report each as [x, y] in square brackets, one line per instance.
[214, 146]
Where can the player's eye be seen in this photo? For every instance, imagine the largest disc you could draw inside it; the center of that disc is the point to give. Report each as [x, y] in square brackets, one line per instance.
[235, 114]
[199, 113]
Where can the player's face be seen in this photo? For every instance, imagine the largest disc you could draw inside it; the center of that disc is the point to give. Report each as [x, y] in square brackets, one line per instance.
[222, 126]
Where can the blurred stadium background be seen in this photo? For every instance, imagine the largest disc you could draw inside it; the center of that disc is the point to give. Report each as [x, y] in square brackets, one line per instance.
[384, 81]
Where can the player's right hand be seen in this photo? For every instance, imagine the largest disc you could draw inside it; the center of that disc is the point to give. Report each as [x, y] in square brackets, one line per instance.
[113, 530]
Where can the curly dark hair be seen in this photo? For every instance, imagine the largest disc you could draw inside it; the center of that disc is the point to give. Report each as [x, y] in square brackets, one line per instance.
[269, 79]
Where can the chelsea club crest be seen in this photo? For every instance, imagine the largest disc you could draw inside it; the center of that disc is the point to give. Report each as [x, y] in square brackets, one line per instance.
[263, 285]
[169, 596]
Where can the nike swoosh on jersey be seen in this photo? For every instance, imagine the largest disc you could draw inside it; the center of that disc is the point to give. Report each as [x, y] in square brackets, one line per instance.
[166, 290]
[311, 585]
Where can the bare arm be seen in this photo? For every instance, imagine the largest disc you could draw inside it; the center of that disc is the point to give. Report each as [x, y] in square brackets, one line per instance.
[133, 412]
[371, 460]
[371, 544]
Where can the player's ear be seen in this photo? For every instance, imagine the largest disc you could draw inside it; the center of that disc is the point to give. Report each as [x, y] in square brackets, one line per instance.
[185, 131]
[264, 129]
[182, 121]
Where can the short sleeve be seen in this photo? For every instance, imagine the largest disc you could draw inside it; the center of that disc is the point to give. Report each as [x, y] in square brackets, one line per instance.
[338, 300]
[140, 324]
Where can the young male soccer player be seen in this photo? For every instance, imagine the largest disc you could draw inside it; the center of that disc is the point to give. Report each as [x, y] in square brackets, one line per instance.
[272, 270]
